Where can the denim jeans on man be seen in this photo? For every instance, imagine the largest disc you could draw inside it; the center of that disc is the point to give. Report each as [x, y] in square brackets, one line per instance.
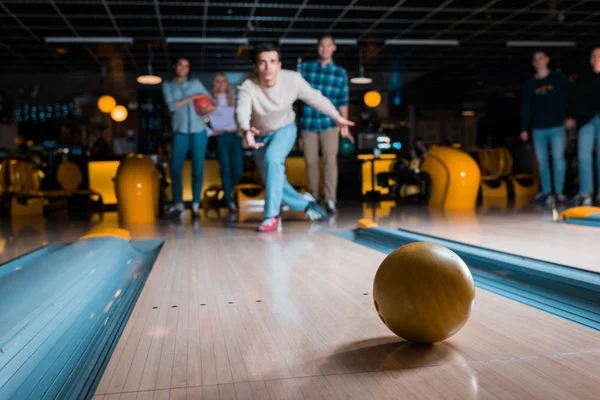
[555, 138]
[589, 134]
[231, 161]
[195, 143]
[270, 160]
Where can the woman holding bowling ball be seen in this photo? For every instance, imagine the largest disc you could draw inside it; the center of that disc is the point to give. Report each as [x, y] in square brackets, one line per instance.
[190, 133]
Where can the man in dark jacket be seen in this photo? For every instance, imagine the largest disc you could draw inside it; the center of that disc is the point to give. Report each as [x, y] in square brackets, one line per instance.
[585, 113]
[543, 111]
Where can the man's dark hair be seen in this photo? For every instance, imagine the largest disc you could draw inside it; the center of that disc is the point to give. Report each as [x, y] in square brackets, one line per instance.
[326, 36]
[543, 51]
[262, 48]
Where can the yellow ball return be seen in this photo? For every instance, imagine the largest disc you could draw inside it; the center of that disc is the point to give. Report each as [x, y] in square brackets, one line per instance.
[584, 215]
[455, 178]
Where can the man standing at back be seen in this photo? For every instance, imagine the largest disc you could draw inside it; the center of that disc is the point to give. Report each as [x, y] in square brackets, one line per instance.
[543, 111]
[318, 129]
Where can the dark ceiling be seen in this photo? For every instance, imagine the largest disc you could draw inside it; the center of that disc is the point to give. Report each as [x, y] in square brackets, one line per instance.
[482, 28]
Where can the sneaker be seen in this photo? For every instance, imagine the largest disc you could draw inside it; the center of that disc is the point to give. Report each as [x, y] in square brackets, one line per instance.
[314, 212]
[582, 199]
[175, 211]
[270, 224]
[542, 198]
[195, 211]
[309, 197]
[561, 199]
[232, 207]
[331, 208]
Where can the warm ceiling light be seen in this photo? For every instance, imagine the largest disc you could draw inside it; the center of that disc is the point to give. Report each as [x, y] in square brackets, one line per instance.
[106, 103]
[149, 79]
[468, 113]
[119, 114]
[361, 80]
[61, 50]
[372, 98]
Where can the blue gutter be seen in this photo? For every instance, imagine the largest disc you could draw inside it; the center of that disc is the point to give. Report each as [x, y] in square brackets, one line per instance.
[63, 313]
[594, 222]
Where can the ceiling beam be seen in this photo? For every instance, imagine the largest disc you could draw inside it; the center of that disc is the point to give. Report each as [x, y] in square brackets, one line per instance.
[118, 30]
[293, 21]
[33, 35]
[72, 29]
[162, 32]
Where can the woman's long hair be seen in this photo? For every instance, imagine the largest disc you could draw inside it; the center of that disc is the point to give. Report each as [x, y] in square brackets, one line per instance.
[228, 91]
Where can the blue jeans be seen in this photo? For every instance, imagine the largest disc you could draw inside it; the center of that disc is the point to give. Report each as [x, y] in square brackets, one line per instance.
[231, 161]
[588, 134]
[195, 143]
[270, 160]
[555, 137]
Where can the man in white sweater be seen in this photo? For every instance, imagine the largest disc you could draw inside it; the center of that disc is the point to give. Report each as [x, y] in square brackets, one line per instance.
[265, 116]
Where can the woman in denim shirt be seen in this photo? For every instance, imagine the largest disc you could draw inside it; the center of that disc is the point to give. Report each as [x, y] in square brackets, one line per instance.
[189, 134]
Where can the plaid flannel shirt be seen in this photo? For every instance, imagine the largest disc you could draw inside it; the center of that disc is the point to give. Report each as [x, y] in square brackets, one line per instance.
[332, 81]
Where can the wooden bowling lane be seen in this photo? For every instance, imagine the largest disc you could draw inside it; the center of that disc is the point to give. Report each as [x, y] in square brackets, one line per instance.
[291, 317]
[530, 234]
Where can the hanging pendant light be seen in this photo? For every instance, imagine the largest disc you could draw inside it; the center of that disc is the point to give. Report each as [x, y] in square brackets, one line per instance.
[361, 79]
[149, 79]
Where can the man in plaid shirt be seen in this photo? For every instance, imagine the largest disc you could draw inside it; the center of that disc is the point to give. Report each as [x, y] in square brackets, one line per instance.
[317, 128]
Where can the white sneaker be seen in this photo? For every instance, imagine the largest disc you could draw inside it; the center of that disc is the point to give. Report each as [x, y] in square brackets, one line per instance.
[176, 211]
[582, 199]
[309, 197]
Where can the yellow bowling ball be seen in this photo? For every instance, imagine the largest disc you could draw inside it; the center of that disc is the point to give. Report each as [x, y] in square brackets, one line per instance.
[423, 292]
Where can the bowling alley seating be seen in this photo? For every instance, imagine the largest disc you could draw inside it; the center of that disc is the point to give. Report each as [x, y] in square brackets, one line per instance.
[525, 183]
[20, 189]
[371, 167]
[404, 180]
[499, 182]
[295, 171]
[212, 199]
[251, 203]
[81, 201]
[495, 167]
[21, 195]
[249, 194]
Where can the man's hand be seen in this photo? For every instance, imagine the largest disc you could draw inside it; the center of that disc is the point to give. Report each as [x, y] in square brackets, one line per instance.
[524, 136]
[570, 123]
[249, 136]
[345, 133]
[343, 125]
